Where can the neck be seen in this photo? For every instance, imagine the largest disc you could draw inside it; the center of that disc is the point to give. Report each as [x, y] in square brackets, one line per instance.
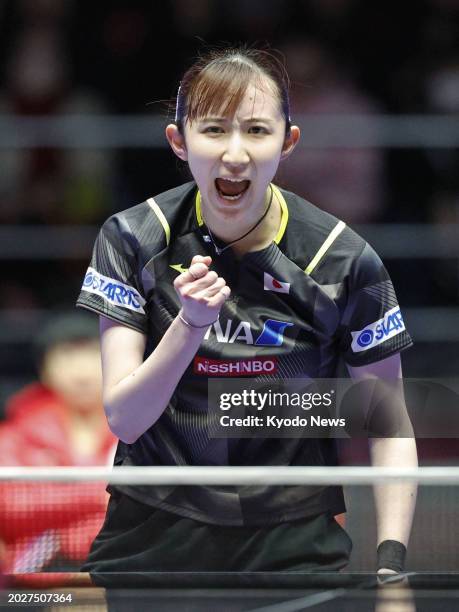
[260, 230]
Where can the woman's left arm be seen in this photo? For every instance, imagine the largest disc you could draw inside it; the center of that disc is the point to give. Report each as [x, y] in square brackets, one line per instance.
[395, 502]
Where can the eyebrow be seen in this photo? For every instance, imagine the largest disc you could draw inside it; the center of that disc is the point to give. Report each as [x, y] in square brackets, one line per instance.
[245, 120]
[257, 119]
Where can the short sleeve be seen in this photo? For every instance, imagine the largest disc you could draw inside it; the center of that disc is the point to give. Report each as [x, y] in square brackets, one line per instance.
[111, 286]
[372, 326]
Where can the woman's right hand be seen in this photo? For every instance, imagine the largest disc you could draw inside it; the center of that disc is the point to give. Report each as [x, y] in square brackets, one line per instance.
[201, 291]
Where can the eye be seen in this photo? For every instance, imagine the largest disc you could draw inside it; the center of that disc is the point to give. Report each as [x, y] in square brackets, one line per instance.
[213, 129]
[257, 129]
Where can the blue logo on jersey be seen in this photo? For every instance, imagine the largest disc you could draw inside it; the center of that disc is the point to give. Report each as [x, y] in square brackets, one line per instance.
[390, 325]
[113, 291]
[88, 279]
[393, 322]
[365, 338]
[272, 333]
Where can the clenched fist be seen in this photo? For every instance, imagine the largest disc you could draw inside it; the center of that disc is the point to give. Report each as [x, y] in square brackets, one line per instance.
[201, 291]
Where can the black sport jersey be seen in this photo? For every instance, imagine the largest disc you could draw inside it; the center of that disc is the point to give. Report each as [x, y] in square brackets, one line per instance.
[317, 293]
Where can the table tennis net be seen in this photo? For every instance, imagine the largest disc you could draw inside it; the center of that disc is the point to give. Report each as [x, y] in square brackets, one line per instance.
[49, 526]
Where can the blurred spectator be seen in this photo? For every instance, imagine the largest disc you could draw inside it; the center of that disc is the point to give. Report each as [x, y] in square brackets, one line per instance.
[442, 89]
[197, 18]
[345, 182]
[45, 185]
[44, 11]
[255, 20]
[442, 93]
[58, 421]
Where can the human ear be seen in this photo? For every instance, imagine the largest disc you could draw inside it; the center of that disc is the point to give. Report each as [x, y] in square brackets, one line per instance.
[176, 141]
[290, 142]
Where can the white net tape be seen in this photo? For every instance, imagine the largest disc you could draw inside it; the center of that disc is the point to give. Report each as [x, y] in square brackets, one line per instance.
[227, 475]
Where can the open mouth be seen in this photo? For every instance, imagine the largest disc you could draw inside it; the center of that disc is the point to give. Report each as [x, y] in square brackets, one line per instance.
[231, 189]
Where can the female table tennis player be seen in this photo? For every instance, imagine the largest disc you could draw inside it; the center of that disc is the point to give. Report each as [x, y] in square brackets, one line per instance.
[224, 275]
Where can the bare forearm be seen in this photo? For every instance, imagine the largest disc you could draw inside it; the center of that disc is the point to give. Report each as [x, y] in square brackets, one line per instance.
[137, 392]
[135, 403]
[394, 502]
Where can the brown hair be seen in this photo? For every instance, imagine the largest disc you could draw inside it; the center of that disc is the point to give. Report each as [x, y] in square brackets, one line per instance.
[217, 82]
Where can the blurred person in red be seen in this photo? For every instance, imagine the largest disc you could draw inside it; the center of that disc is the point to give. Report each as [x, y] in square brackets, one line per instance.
[57, 421]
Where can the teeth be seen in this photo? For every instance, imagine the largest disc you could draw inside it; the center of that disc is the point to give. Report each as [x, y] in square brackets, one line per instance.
[239, 181]
[236, 197]
[233, 180]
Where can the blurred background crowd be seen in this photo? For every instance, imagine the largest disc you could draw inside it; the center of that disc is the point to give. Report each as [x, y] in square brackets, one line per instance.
[346, 58]
[62, 59]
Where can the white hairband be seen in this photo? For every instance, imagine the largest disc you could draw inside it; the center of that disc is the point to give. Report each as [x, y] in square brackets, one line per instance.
[177, 102]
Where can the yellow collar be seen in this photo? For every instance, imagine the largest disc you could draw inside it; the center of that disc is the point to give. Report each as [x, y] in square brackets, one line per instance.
[279, 196]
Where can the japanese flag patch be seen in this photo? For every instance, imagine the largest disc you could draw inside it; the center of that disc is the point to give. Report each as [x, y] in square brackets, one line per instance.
[272, 284]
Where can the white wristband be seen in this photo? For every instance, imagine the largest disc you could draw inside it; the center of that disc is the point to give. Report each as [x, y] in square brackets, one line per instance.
[188, 324]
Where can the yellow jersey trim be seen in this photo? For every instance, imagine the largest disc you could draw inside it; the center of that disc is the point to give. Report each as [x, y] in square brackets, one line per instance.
[162, 219]
[198, 209]
[284, 213]
[332, 236]
[178, 267]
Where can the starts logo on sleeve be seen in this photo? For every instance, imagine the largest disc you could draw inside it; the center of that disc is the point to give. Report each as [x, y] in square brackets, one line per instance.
[113, 291]
[378, 332]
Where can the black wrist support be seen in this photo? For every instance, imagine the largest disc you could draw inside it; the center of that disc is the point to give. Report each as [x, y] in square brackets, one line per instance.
[391, 555]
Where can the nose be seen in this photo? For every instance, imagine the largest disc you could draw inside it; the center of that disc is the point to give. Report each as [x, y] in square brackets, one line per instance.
[235, 155]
